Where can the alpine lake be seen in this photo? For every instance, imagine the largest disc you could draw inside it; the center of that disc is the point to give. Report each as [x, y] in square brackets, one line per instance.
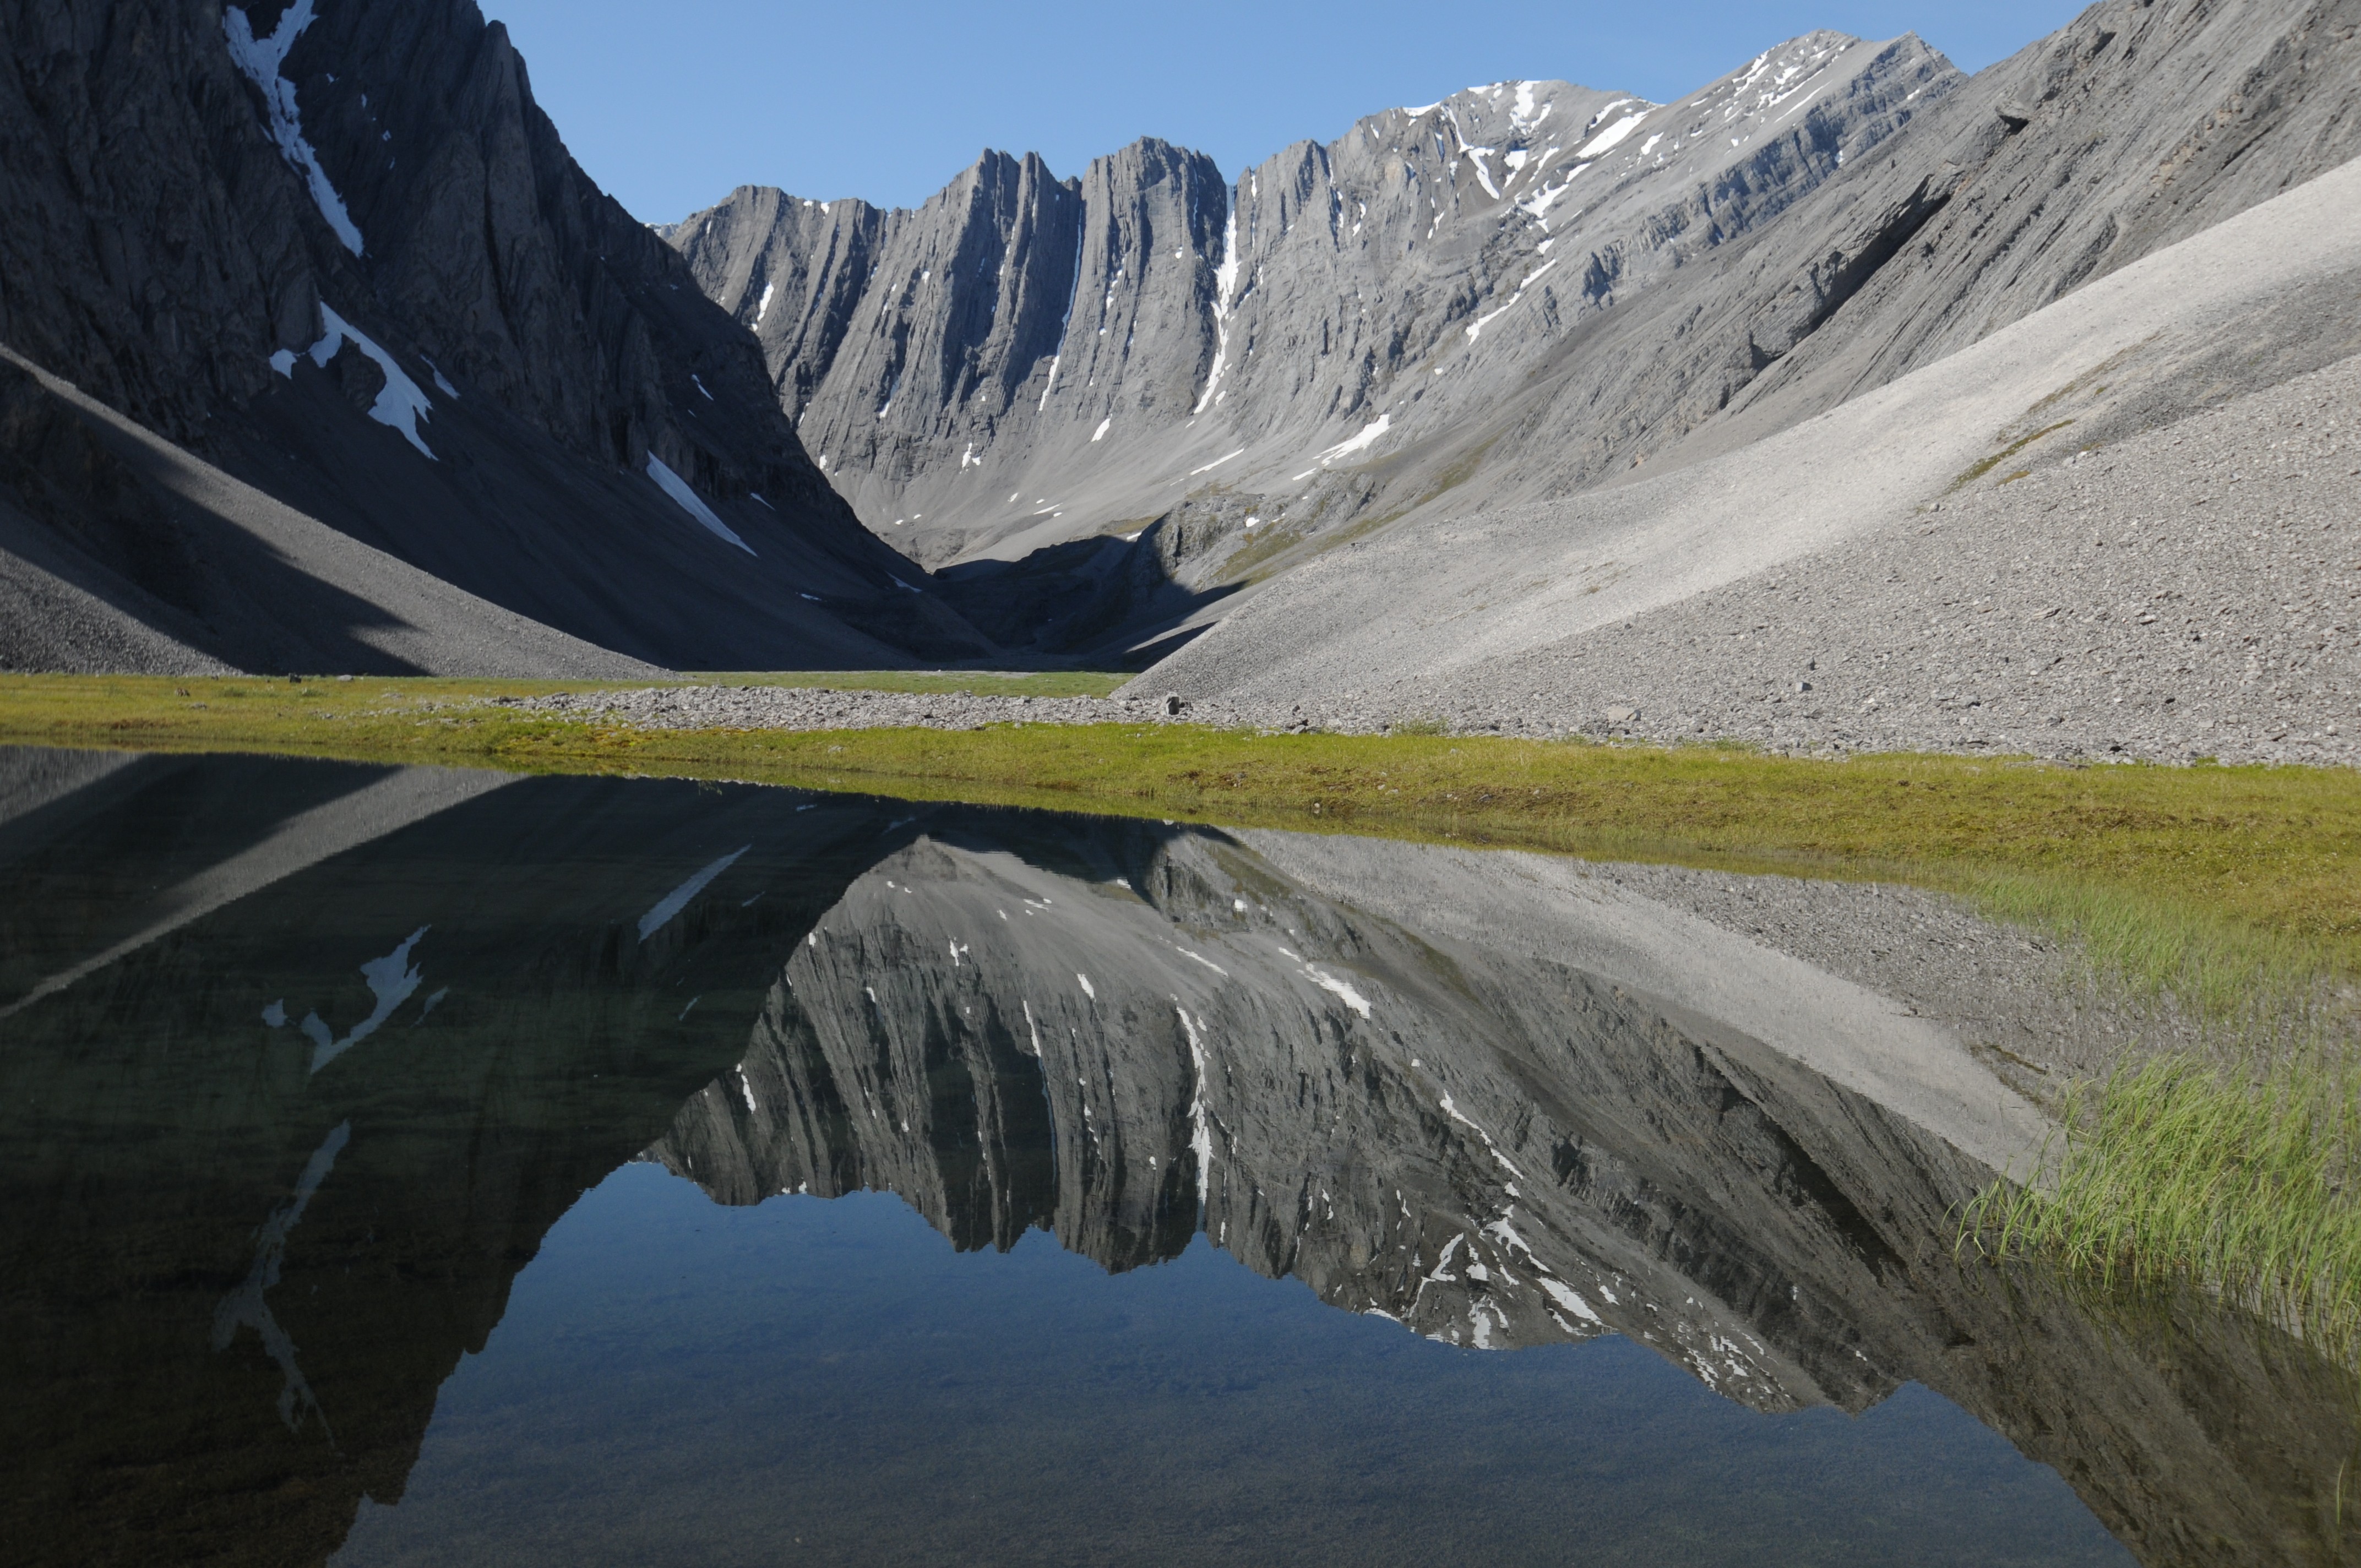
[413, 1165]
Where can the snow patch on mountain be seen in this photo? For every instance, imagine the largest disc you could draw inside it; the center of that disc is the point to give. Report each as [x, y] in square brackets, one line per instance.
[261, 60]
[400, 402]
[1523, 116]
[689, 502]
[1613, 135]
[1476, 328]
[1225, 299]
[1357, 444]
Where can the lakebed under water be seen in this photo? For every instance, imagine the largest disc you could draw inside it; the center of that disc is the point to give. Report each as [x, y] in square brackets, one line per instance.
[411, 1166]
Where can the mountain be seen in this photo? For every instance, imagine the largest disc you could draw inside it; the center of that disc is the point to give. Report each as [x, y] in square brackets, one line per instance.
[319, 353]
[1987, 553]
[323, 354]
[1969, 510]
[1026, 360]
[1525, 294]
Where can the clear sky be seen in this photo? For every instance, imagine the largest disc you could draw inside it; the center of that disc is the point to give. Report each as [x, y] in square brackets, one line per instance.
[670, 106]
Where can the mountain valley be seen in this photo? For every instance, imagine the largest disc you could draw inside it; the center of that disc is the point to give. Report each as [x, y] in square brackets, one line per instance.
[350, 368]
[999, 881]
[1107, 406]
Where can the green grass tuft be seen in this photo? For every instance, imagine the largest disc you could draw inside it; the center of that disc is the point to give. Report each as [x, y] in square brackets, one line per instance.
[2175, 1172]
[2219, 968]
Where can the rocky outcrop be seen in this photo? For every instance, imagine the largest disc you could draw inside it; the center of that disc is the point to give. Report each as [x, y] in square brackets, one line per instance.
[337, 251]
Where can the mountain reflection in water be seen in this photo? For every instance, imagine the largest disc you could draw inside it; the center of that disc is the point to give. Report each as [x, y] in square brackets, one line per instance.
[303, 1063]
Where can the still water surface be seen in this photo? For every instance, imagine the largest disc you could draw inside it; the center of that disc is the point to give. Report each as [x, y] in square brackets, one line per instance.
[407, 1166]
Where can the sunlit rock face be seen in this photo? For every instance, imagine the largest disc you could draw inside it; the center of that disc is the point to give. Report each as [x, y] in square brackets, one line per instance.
[1117, 399]
[1025, 359]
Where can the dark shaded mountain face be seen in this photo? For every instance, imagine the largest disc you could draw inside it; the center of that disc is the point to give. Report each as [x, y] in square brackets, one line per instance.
[1526, 291]
[332, 255]
[305, 1060]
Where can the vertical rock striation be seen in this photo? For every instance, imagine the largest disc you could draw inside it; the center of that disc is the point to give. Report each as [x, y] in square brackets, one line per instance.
[1530, 290]
[1182, 333]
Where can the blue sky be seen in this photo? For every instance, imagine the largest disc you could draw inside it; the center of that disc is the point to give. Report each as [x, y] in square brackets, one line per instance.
[671, 107]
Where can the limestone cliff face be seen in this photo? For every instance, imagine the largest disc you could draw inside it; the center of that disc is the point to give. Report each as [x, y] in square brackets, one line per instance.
[336, 249]
[2137, 126]
[1026, 361]
[917, 350]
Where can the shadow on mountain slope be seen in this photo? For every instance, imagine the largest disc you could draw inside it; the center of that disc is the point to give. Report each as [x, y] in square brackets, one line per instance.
[332, 265]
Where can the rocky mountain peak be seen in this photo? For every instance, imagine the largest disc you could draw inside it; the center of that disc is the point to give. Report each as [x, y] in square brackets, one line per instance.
[1240, 334]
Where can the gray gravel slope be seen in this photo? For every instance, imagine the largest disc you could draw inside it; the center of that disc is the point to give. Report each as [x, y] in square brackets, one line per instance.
[1559, 616]
[50, 622]
[2191, 593]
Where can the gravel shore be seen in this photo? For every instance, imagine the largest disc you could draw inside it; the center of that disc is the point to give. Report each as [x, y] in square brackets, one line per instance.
[2028, 1006]
[808, 708]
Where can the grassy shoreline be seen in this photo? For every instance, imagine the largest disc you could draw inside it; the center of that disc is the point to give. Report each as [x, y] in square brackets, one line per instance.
[2173, 1173]
[2232, 888]
[2206, 880]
